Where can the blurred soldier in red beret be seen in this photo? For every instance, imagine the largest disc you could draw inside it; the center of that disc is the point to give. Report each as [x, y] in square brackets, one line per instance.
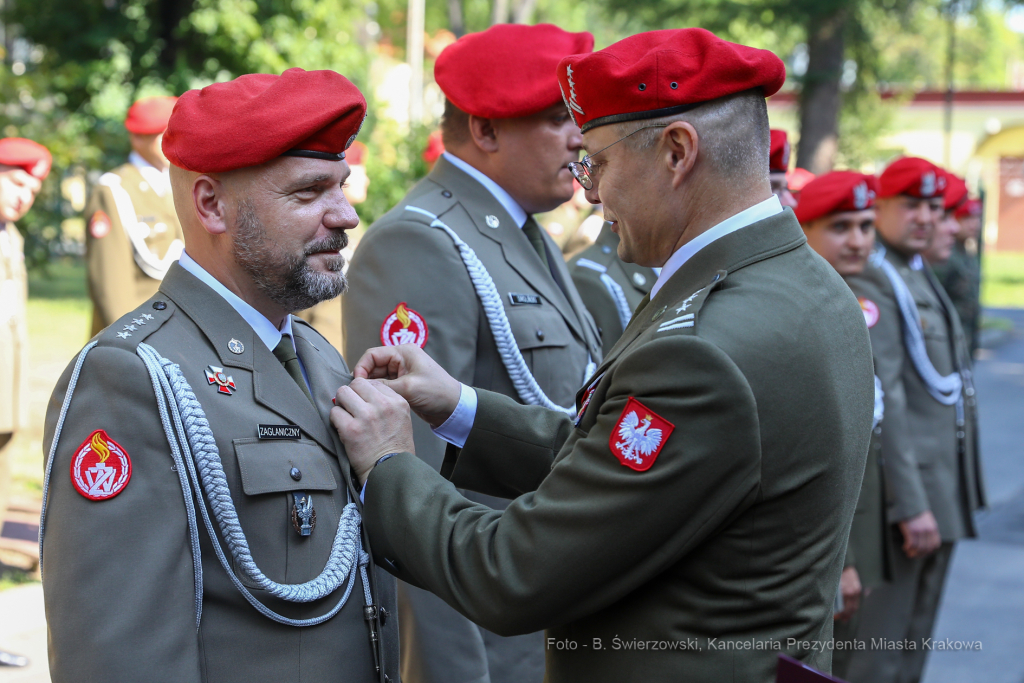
[24, 165]
[132, 234]
[929, 442]
[686, 522]
[434, 149]
[200, 522]
[960, 271]
[778, 167]
[424, 272]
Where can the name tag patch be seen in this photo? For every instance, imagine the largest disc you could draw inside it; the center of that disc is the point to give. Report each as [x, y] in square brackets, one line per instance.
[524, 299]
[279, 432]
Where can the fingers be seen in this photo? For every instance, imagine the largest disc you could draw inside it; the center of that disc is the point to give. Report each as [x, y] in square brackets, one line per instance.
[382, 362]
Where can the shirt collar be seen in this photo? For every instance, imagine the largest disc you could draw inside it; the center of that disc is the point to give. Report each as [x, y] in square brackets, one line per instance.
[265, 330]
[504, 198]
[757, 212]
[159, 180]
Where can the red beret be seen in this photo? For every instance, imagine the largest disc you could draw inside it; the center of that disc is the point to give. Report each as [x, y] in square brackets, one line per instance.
[27, 155]
[835, 192]
[798, 178]
[956, 192]
[434, 148]
[259, 117]
[912, 176]
[662, 73]
[508, 70]
[778, 158]
[356, 154]
[972, 207]
[149, 116]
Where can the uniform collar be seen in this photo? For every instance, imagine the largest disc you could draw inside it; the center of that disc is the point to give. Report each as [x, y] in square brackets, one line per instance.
[159, 180]
[264, 329]
[504, 198]
[757, 212]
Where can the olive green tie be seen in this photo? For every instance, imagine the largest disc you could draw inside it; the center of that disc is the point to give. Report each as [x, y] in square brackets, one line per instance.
[532, 230]
[285, 352]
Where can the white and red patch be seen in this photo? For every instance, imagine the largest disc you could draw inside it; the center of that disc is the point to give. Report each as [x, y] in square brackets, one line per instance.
[99, 225]
[100, 468]
[404, 326]
[589, 394]
[870, 311]
[639, 436]
[225, 383]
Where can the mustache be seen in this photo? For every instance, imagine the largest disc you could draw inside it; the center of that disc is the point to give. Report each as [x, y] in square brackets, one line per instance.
[335, 242]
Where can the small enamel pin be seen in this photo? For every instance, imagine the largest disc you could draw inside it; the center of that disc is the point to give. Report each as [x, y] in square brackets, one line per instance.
[236, 347]
[215, 375]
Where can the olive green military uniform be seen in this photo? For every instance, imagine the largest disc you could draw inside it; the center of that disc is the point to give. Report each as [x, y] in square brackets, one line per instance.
[130, 245]
[326, 318]
[931, 463]
[727, 545]
[610, 288]
[13, 349]
[960, 276]
[403, 259]
[118, 574]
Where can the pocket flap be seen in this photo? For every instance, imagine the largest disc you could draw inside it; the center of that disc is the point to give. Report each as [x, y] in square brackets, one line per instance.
[536, 327]
[266, 466]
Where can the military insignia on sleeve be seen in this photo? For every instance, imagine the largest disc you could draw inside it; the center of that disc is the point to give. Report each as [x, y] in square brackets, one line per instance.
[639, 436]
[99, 225]
[870, 311]
[589, 394]
[225, 384]
[100, 468]
[404, 326]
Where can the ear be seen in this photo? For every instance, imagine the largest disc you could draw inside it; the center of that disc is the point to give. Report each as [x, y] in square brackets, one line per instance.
[209, 202]
[681, 147]
[485, 134]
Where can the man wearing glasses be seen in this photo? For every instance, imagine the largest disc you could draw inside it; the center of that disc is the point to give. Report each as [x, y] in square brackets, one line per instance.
[689, 522]
[461, 269]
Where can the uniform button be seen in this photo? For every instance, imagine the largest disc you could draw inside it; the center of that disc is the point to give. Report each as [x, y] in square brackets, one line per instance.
[296, 474]
[446, 194]
[606, 249]
[159, 305]
[540, 334]
[383, 616]
[639, 279]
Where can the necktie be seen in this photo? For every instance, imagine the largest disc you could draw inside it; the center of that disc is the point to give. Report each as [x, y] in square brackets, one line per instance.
[532, 231]
[285, 352]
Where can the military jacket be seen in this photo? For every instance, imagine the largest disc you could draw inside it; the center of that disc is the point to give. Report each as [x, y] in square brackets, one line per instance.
[630, 283]
[133, 236]
[694, 554]
[13, 331]
[869, 548]
[931, 461]
[960, 276]
[118, 574]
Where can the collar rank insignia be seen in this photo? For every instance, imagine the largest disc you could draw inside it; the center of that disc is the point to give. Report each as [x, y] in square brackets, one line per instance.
[215, 375]
[100, 468]
[639, 436]
[404, 326]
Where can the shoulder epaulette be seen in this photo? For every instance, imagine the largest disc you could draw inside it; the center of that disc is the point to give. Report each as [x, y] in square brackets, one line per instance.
[131, 329]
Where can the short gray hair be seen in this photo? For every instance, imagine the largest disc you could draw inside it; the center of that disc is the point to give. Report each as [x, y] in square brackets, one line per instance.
[733, 133]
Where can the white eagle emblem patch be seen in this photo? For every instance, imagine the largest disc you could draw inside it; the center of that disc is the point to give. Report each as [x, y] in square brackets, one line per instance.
[639, 436]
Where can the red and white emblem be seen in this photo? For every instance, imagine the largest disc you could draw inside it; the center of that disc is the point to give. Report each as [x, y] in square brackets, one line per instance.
[215, 375]
[639, 436]
[101, 468]
[404, 326]
[99, 225]
[589, 394]
[870, 311]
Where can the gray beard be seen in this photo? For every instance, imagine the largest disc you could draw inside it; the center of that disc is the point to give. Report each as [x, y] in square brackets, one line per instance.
[287, 280]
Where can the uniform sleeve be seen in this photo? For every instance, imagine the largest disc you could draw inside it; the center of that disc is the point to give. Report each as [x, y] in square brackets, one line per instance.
[109, 260]
[413, 263]
[117, 573]
[906, 492]
[518, 571]
[599, 302]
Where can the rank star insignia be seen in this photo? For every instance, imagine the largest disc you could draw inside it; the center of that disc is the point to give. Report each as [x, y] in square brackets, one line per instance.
[138, 321]
[639, 436]
[404, 326]
[215, 375]
[123, 335]
[147, 316]
[130, 328]
[100, 468]
[689, 300]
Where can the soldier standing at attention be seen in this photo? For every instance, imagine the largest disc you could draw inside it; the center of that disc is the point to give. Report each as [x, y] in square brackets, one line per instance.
[929, 447]
[703, 493]
[199, 517]
[461, 269]
[24, 165]
[133, 234]
[778, 168]
[959, 272]
[836, 211]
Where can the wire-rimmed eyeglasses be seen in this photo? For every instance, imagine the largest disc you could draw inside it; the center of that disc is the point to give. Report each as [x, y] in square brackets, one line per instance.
[581, 169]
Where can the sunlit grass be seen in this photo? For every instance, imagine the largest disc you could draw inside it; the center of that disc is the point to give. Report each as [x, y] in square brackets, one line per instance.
[1002, 280]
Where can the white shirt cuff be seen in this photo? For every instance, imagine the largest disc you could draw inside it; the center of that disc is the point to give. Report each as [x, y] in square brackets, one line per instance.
[456, 428]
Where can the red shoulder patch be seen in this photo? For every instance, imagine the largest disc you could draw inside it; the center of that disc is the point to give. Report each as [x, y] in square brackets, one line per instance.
[99, 225]
[100, 468]
[639, 436]
[870, 311]
[404, 326]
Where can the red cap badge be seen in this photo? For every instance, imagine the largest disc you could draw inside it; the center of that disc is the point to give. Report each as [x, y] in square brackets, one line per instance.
[100, 468]
[404, 326]
[639, 436]
[912, 176]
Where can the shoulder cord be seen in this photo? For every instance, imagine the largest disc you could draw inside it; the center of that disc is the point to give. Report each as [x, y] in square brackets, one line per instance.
[618, 296]
[150, 264]
[522, 379]
[192, 445]
[944, 388]
[879, 404]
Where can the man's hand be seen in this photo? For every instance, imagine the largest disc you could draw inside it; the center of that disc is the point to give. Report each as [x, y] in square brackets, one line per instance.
[920, 535]
[850, 589]
[431, 392]
[372, 421]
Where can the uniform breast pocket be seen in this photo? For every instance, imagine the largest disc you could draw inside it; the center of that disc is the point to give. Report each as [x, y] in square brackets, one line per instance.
[271, 473]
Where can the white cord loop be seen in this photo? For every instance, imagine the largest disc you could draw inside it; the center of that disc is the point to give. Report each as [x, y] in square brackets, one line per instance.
[614, 290]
